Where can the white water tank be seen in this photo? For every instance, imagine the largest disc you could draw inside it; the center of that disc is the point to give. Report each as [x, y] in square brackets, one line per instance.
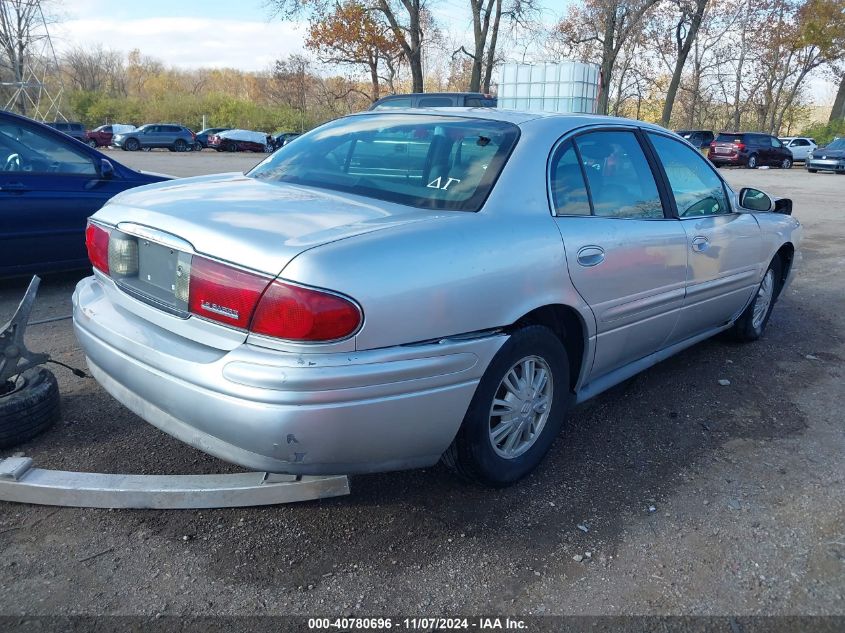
[563, 86]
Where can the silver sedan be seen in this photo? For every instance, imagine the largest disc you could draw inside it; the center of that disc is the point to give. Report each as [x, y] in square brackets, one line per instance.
[392, 289]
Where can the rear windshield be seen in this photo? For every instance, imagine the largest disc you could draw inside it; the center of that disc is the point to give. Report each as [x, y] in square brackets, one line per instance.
[425, 161]
[729, 138]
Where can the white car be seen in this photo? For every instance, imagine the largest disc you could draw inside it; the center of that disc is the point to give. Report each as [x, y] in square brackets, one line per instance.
[800, 146]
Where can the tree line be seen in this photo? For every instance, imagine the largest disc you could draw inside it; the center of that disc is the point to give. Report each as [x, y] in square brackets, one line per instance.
[716, 64]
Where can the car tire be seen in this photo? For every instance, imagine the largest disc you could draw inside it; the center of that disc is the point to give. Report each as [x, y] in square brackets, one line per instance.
[813, 171]
[180, 145]
[30, 408]
[752, 162]
[91, 143]
[132, 145]
[232, 147]
[786, 163]
[475, 453]
[752, 322]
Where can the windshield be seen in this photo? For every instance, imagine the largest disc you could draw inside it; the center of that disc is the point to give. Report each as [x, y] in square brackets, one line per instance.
[836, 144]
[725, 137]
[422, 160]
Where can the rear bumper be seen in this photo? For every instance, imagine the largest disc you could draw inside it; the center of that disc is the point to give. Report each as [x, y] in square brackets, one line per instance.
[727, 159]
[307, 414]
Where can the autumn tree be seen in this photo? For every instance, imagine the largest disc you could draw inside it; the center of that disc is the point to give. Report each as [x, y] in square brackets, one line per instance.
[353, 35]
[599, 29]
[407, 21]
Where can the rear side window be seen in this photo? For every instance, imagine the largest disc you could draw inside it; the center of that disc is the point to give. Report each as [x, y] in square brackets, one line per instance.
[698, 191]
[569, 193]
[435, 102]
[620, 179]
[425, 161]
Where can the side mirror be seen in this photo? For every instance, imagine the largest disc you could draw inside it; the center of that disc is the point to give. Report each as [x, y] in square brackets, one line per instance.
[754, 200]
[106, 169]
[783, 205]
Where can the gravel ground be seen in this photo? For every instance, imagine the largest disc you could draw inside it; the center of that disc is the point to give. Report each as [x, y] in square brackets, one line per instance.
[677, 495]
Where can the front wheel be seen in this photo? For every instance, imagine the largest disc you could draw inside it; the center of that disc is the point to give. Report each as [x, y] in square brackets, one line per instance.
[92, 143]
[752, 161]
[180, 145]
[786, 163]
[132, 145]
[516, 412]
[752, 322]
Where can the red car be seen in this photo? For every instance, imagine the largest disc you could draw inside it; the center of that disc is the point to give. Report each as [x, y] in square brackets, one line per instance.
[99, 137]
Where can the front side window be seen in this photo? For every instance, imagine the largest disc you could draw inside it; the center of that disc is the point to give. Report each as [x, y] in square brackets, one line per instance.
[698, 191]
[27, 149]
[425, 161]
[435, 102]
[619, 176]
[775, 142]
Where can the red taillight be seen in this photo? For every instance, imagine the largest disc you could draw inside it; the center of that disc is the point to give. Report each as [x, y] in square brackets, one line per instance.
[739, 146]
[713, 144]
[97, 243]
[304, 314]
[223, 293]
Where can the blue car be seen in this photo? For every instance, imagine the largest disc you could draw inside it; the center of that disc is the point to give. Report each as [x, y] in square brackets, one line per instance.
[49, 185]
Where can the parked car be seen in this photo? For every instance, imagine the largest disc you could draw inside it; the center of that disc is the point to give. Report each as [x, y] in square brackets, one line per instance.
[800, 146]
[394, 288]
[436, 100]
[176, 138]
[282, 139]
[71, 128]
[240, 141]
[102, 136]
[202, 137]
[49, 185]
[699, 138]
[749, 149]
[831, 157]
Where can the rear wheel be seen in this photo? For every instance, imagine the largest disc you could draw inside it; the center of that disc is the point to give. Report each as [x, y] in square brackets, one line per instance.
[516, 412]
[232, 147]
[752, 322]
[752, 162]
[132, 145]
[92, 143]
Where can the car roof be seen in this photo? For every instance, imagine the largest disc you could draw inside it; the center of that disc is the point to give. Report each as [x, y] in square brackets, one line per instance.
[517, 117]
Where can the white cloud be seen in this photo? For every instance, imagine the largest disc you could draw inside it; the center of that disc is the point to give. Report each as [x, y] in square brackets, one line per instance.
[188, 42]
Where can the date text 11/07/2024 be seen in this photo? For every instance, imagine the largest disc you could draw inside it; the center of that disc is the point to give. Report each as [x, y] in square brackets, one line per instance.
[417, 624]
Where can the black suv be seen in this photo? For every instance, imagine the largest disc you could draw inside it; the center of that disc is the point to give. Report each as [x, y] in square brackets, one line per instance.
[75, 130]
[176, 138]
[436, 100]
[698, 138]
[750, 149]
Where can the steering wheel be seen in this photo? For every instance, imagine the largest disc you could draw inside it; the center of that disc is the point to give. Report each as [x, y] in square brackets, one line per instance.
[13, 163]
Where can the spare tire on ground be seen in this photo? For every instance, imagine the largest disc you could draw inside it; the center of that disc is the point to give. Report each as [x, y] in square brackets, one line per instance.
[28, 407]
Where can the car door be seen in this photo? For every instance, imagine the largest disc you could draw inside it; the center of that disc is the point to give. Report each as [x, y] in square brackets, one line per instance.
[800, 148]
[625, 257]
[47, 190]
[778, 152]
[724, 248]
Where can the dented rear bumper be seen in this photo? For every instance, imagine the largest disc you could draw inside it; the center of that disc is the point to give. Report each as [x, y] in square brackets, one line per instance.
[304, 414]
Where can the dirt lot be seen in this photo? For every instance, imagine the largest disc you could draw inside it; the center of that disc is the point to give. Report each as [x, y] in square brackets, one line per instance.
[696, 498]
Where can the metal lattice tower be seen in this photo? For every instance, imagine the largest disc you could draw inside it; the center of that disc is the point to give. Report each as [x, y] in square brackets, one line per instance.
[41, 98]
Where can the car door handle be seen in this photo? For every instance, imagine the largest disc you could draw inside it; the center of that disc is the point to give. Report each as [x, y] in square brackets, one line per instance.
[14, 187]
[590, 256]
[700, 243]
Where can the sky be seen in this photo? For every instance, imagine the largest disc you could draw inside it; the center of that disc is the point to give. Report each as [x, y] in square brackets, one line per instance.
[228, 33]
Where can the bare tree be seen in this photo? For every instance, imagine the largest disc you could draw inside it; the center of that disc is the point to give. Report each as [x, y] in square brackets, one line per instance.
[19, 32]
[602, 27]
[95, 69]
[690, 14]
